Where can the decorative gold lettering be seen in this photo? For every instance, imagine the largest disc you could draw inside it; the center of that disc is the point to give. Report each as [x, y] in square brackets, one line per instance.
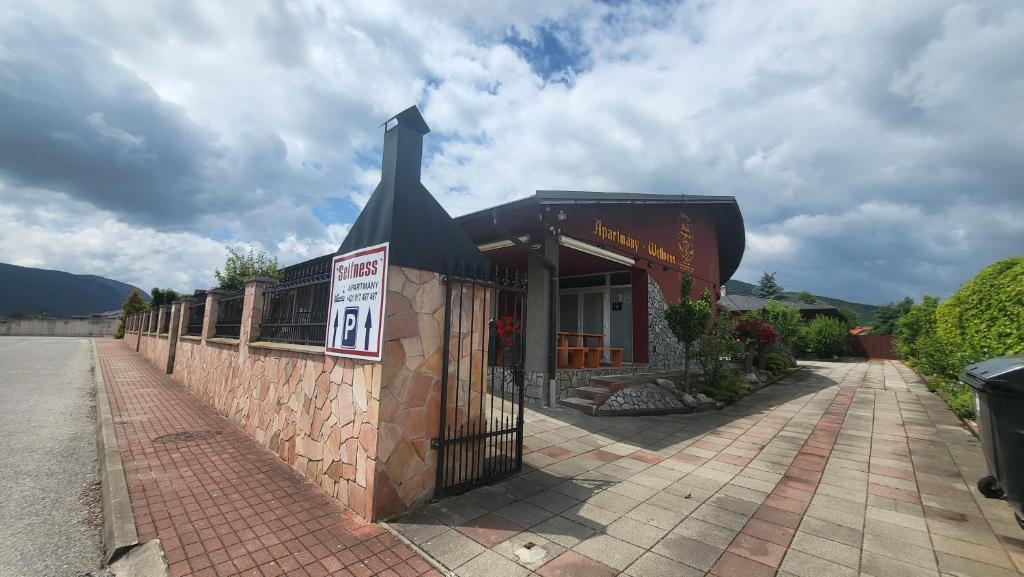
[686, 251]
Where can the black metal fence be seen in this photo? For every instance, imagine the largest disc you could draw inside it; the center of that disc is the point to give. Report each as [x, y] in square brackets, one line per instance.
[196, 312]
[229, 315]
[295, 309]
[480, 438]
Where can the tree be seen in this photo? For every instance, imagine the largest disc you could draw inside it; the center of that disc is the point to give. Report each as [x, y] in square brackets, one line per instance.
[786, 320]
[915, 326]
[131, 305]
[768, 287]
[688, 319]
[887, 315]
[239, 268]
[850, 316]
[160, 297]
[806, 297]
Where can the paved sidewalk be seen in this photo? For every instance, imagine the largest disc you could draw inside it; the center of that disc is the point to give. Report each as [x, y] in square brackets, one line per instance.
[845, 469]
[221, 504]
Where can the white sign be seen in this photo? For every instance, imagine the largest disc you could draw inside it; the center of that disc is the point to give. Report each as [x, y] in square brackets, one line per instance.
[355, 317]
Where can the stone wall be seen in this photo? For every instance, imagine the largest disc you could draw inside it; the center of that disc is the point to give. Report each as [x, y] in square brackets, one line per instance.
[410, 394]
[155, 348]
[359, 430]
[666, 353]
[73, 327]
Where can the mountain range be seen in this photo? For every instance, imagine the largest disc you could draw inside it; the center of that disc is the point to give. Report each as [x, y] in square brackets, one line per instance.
[865, 312]
[39, 292]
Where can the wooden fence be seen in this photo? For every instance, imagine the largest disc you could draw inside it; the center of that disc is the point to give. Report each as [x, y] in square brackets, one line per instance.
[872, 346]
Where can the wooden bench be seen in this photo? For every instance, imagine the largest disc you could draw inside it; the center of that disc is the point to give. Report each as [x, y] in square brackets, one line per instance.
[615, 357]
[579, 357]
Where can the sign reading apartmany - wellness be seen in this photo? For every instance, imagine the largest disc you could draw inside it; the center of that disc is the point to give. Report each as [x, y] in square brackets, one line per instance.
[355, 318]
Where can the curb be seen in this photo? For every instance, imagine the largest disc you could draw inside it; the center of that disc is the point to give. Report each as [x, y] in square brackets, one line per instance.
[418, 550]
[146, 560]
[119, 532]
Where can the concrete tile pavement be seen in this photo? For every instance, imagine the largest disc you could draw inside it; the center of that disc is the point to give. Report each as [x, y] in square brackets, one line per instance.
[221, 504]
[848, 468]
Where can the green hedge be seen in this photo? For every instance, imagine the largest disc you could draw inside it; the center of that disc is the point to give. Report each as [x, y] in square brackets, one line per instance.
[984, 319]
[825, 337]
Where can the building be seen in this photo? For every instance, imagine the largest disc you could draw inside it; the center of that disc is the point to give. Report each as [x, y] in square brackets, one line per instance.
[599, 267]
[470, 318]
[739, 304]
[614, 260]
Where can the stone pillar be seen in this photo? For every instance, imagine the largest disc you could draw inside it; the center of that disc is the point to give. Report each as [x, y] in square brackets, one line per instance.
[210, 314]
[252, 313]
[183, 308]
[160, 312]
[538, 306]
[142, 328]
[172, 336]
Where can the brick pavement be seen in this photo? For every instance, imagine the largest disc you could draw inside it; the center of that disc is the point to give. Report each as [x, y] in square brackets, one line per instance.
[221, 504]
[849, 468]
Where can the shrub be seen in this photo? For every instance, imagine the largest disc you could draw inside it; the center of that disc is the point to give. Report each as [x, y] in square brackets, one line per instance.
[825, 337]
[786, 321]
[718, 345]
[984, 319]
[688, 320]
[725, 386]
[986, 316]
[776, 363]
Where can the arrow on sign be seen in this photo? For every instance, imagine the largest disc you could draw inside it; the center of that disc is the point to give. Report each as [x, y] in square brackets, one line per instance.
[367, 325]
[334, 340]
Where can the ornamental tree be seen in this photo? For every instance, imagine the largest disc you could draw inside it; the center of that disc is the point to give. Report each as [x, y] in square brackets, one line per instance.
[239, 268]
[131, 305]
[688, 320]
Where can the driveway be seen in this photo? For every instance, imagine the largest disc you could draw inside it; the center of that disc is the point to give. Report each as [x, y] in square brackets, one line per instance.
[846, 468]
[49, 493]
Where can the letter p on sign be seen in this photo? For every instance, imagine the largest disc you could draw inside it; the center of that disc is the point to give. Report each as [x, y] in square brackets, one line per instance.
[350, 327]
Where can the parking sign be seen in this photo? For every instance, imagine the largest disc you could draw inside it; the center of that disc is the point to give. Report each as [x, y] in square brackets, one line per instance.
[355, 321]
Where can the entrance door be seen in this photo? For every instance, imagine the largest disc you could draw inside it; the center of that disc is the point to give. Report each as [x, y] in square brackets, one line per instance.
[621, 321]
[593, 313]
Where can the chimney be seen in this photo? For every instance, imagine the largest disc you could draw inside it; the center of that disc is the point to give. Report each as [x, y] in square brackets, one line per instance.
[403, 148]
[402, 212]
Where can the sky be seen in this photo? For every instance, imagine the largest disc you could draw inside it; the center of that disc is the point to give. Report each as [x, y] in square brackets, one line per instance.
[876, 148]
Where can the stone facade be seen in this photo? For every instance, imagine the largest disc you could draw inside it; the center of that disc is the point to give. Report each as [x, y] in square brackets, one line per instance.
[666, 352]
[359, 430]
[406, 465]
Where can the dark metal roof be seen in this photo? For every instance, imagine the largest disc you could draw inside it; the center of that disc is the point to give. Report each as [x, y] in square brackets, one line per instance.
[726, 212]
[752, 303]
[403, 212]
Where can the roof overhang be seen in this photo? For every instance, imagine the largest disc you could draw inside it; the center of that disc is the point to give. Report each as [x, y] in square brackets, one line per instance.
[522, 215]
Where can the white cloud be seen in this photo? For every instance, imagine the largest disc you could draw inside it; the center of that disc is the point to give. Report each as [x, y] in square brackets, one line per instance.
[856, 136]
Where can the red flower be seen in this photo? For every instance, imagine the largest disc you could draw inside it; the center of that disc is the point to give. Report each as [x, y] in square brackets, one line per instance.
[508, 329]
[755, 330]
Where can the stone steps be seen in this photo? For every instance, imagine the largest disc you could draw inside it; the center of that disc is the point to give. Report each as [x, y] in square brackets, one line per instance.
[597, 394]
[585, 406]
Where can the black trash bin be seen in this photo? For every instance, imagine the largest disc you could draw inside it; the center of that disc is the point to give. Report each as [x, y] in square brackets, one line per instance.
[999, 404]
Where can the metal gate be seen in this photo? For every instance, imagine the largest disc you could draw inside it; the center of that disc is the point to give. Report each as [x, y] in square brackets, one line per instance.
[480, 439]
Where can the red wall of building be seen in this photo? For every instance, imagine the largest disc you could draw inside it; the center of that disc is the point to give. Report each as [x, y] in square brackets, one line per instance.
[668, 242]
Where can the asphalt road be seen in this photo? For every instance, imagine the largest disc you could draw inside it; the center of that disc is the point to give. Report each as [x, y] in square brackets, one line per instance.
[49, 496]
